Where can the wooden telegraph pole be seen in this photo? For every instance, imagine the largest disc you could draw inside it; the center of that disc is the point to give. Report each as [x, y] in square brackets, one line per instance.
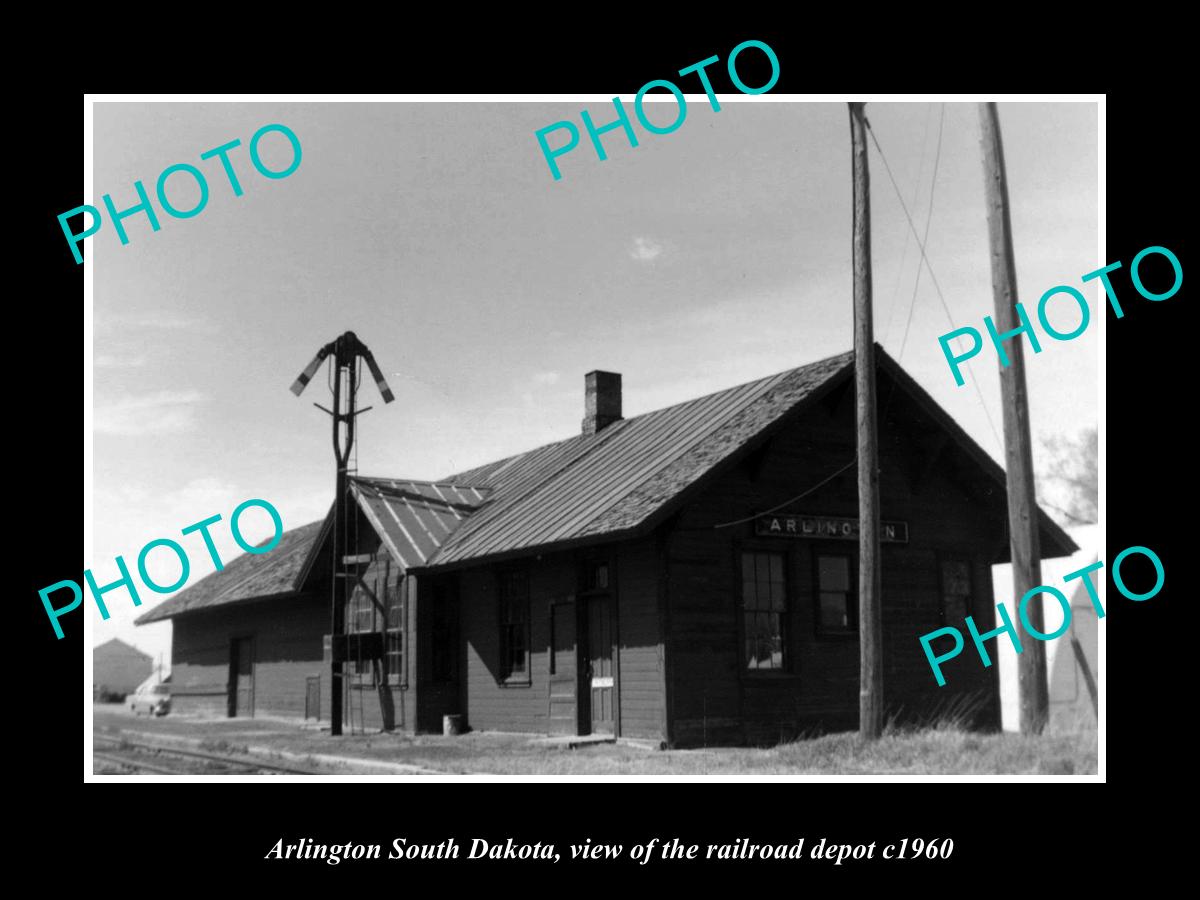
[870, 617]
[1018, 449]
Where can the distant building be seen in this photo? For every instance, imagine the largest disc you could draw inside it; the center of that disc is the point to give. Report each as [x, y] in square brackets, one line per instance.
[118, 669]
[1072, 661]
[687, 576]
[1074, 676]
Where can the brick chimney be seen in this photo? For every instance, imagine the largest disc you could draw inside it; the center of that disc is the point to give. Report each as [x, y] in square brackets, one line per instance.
[602, 400]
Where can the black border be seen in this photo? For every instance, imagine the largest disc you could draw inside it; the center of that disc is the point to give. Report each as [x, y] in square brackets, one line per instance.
[1148, 416]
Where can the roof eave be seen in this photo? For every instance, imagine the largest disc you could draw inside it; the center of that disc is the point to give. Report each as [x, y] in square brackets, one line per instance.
[314, 552]
[1061, 542]
[751, 444]
[590, 540]
[152, 616]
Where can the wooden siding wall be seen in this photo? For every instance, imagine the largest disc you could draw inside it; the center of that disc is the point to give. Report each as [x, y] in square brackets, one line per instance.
[713, 701]
[640, 661]
[492, 706]
[287, 648]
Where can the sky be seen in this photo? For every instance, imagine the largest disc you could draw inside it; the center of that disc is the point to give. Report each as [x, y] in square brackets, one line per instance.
[700, 259]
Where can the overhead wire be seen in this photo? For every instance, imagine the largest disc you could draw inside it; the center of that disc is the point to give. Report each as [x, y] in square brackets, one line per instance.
[933, 277]
[912, 304]
[767, 512]
[895, 301]
[921, 242]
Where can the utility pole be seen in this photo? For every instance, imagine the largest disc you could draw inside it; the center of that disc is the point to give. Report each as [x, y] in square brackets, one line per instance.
[341, 583]
[870, 612]
[1018, 449]
[346, 351]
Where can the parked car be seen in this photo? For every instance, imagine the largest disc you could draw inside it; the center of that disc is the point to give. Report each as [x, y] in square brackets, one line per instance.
[155, 699]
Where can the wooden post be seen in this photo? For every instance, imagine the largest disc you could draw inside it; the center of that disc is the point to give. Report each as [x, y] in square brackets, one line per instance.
[1018, 448]
[344, 357]
[337, 609]
[870, 615]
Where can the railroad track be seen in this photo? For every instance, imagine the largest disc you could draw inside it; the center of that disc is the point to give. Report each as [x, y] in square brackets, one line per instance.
[133, 757]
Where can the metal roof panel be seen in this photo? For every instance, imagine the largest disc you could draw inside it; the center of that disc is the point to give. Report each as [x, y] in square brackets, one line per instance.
[415, 518]
[612, 481]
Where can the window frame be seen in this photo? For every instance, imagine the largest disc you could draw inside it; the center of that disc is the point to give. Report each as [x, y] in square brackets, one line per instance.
[358, 603]
[399, 678]
[506, 677]
[819, 627]
[788, 669]
[942, 560]
[585, 567]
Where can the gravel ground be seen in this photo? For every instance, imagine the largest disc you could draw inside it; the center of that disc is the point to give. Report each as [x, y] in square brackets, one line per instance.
[930, 751]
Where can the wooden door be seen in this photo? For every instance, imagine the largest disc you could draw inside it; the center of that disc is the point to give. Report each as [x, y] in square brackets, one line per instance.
[312, 697]
[564, 668]
[599, 673]
[241, 677]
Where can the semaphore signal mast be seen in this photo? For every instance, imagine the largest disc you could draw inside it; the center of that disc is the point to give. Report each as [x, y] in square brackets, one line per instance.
[346, 351]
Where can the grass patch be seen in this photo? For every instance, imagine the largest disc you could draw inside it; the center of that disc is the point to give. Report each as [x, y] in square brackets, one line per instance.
[940, 750]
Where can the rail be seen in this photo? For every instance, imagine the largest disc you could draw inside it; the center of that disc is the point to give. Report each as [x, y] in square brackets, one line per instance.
[115, 752]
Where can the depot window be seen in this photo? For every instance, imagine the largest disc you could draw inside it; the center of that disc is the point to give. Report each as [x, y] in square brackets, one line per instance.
[956, 591]
[764, 612]
[393, 646]
[513, 595]
[837, 598]
[361, 618]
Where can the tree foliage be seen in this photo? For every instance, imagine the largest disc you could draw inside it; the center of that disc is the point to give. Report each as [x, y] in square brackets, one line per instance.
[1068, 479]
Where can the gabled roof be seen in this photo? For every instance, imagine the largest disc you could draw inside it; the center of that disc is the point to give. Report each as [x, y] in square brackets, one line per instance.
[118, 648]
[246, 577]
[617, 483]
[624, 480]
[612, 483]
[415, 518]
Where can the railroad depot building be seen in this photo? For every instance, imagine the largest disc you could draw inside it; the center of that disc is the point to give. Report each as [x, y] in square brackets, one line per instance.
[686, 576]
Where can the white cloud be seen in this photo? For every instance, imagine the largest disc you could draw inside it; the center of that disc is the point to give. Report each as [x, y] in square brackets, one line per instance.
[162, 412]
[120, 362]
[545, 378]
[109, 323]
[645, 249]
[127, 516]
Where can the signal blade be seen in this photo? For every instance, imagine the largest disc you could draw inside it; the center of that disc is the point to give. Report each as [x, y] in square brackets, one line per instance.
[301, 382]
[384, 390]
